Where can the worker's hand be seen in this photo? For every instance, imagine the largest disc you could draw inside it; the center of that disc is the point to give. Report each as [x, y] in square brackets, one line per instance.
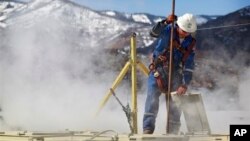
[171, 18]
[181, 90]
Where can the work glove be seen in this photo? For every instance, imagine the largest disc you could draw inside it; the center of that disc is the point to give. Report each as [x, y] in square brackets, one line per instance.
[170, 19]
[181, 90]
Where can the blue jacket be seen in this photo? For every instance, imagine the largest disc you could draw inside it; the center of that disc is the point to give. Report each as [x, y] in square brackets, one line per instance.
[163, 33]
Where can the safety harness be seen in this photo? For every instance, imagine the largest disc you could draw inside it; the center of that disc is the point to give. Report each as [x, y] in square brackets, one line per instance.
[162, 61]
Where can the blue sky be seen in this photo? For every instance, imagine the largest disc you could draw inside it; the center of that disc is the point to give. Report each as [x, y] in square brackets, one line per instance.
[163, 7]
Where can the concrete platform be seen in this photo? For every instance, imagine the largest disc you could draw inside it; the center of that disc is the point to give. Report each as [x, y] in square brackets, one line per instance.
[102, 136]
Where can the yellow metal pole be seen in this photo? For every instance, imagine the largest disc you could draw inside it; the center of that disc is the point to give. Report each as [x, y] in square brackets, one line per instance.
[114, 85]
[133, 63]
[134, 84]
[143, 68]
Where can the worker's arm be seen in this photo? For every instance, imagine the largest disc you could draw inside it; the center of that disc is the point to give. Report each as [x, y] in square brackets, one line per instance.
[157, 29]
[188, 64]
[163, 41]
[160, 26]
[187, 74]
[188, 69]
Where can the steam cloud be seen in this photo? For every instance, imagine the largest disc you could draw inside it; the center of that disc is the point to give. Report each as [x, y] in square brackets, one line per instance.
[49, 82]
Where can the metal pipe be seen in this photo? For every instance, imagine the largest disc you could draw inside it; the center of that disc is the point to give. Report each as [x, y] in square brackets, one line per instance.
[168, 96]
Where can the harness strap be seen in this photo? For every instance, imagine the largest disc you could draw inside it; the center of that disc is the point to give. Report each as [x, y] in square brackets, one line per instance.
[188, 51]
[164, 61]
[185, 52]
[160, 84]
[158, 77]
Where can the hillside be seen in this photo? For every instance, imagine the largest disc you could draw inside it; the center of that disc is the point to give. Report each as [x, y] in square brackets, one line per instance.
[230, 37]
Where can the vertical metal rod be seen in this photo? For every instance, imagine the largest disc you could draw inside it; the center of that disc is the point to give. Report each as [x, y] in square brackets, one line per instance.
[168, 96]
[134, 84]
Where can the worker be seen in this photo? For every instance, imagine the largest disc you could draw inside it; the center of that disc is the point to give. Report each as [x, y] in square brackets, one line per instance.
[183, 66]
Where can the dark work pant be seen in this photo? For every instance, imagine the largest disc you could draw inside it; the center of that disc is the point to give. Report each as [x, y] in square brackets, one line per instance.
[152, 106]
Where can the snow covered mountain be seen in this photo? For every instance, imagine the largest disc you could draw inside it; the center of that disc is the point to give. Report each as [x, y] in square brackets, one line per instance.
[101, 30]
[7, 8]
[86, 22]
[149, 19]
[143, 18]
[89, 28]
[105, 29]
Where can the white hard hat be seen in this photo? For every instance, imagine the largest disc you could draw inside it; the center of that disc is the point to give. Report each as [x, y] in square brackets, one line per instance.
[187, 22]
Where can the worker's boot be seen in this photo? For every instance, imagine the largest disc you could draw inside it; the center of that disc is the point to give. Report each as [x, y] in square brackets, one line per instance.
[147, 131]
